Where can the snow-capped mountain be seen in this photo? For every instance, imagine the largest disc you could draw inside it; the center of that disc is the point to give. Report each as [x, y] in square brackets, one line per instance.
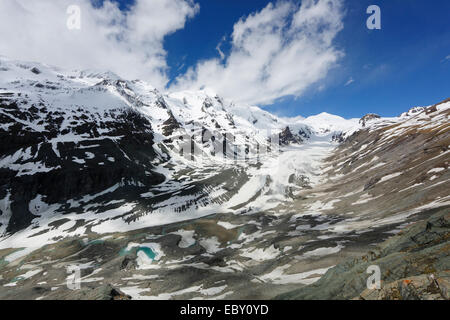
[88, 155]
[68, 135]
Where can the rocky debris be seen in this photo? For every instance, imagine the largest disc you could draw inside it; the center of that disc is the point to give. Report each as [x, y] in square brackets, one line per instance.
[338, 137]
[128, 263]
[367, 118]
[430, 110]
[286, 137]
[423, 287]
[414, 264]
[116, 294]
[371, 183]
[35, 70]
[412, 112]
[300, 180]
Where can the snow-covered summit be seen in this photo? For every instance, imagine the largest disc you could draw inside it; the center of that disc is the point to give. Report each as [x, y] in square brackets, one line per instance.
[326, 123]
[88, 87]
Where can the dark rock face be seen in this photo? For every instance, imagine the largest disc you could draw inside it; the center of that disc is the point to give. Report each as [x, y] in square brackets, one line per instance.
[305, 133]
[115, 149]
[207, 104]
[128, 263]
[286, 137]
[35, 70]
[300, 180]
[413, 111]
[116, 294]
[367, 118]
[170, 125]
[338, 137]
[371, 183]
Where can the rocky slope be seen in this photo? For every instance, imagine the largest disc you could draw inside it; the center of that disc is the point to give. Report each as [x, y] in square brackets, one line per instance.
[414, 265]
[395, 171]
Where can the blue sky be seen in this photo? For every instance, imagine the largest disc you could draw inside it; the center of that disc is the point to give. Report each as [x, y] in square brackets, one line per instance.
[387, 71]
[402, 65]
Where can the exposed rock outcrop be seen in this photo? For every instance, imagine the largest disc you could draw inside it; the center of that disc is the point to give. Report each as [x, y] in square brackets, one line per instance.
[116, 149]
[117, 294]
[286, 137]
[170, 125]
[367, 118]
[414, 265]
[412, 112]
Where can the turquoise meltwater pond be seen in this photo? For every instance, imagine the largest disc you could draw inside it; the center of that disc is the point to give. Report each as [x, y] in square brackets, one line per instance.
[148, 252]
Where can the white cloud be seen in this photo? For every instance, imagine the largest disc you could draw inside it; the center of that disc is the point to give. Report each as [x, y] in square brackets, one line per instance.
[278, 51]
[219, 49]
[127, 43]
[349, 82]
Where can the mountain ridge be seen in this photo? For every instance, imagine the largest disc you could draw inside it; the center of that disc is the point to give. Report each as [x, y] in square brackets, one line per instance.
[205, 184]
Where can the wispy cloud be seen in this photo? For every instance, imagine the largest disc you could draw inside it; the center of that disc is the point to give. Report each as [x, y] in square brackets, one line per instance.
[281, 50]
[219, 48]
[446, 59]
[349, 82]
